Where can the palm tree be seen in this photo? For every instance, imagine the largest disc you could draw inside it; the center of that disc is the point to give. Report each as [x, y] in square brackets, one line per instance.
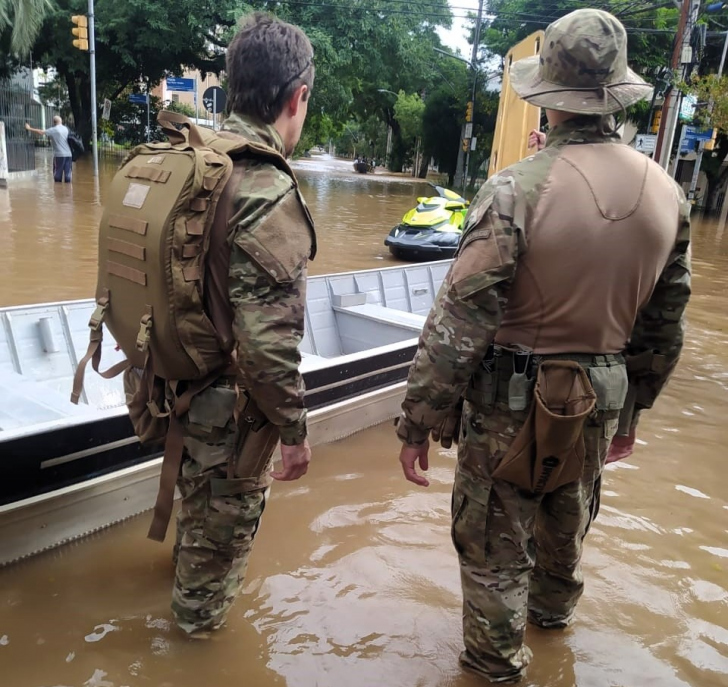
[26, 17]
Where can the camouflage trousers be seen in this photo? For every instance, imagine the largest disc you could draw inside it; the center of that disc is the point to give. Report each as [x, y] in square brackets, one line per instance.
[519, 554]
[224, 482]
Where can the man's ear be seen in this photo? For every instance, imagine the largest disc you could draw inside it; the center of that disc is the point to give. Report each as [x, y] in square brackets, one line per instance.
[299, 96]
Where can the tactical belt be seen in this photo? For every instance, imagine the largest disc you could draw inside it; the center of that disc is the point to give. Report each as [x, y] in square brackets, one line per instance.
[507, 375]
[527, 361]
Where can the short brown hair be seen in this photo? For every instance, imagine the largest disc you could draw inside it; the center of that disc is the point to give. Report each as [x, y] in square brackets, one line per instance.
[266, 62]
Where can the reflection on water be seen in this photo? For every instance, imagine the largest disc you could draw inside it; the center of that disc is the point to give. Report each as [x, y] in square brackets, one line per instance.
[353, 580]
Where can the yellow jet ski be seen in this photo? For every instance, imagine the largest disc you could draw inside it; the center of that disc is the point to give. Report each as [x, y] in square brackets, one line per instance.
[432, 230]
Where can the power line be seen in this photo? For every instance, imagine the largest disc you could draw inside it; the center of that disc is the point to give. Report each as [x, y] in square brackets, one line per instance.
[531, 18]
[536, 19]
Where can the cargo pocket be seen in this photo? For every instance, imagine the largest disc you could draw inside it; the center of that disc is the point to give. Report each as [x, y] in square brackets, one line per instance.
[210, 417]
[610, 384]
[468, 527]
[232, 519]
[149, 422]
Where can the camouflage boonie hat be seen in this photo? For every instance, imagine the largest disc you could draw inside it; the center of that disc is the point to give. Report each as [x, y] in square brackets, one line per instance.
[582, 67]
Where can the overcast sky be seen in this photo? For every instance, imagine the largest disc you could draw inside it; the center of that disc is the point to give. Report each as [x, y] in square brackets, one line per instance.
[456, 38]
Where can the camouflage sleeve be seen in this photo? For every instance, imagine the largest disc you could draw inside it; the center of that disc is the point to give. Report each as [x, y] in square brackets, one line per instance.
[657, 338]
[466, 314]
[268, 295]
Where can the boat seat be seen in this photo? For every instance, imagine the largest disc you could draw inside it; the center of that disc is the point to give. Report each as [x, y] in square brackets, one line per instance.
[363, 326]
[378, 313]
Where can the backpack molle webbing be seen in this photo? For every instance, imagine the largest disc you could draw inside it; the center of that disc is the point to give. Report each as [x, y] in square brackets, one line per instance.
[153, 240]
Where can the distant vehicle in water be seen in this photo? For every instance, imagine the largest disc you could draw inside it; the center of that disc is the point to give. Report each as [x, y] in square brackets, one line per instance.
[363, 166]
[432, 230]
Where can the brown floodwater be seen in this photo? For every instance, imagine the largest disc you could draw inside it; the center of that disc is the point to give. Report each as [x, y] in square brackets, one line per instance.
[50, 231]
[353, 580]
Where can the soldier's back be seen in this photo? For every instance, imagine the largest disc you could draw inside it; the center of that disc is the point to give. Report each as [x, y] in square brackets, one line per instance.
[600, 224]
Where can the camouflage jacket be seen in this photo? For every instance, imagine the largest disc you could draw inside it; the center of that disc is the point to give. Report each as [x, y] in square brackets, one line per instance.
[474, 296]
[271, 244]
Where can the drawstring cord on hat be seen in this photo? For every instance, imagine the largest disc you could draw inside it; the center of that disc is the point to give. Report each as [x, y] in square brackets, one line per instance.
[606, 91]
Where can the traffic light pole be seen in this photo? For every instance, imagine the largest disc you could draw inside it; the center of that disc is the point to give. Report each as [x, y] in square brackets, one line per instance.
[94, 107]
[473, 62]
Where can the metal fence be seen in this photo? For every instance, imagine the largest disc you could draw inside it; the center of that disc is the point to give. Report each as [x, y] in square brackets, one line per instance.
[17, 107]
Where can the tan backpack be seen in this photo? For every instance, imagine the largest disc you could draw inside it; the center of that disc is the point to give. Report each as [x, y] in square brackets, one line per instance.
[160, 212]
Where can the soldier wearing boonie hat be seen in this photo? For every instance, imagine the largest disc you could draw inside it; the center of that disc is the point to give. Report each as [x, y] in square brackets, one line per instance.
[571, 282]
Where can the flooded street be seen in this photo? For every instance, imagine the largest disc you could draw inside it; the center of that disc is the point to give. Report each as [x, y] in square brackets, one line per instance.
[51, 229]
[353, 580]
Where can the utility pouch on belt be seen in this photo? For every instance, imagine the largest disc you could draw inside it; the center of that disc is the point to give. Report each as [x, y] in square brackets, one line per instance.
[256, 442]
[549, 450]
[482, 389]
[520, 384]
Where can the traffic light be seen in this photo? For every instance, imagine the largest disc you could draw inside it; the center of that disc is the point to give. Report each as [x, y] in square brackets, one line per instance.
[469, 112]
[656, 118]
[710, 145]
[466, 144]
[80, 31]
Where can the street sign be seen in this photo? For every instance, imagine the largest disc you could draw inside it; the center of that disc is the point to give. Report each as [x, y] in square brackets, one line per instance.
[469, 130]
[176, 83]
[473, 143]
[107, 109]
[214, 99]
[698, 134]
[645, 143]
[140, 98]
[692, 135]
[687, 108]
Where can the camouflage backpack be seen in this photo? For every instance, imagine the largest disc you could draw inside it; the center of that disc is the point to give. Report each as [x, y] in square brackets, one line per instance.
[161, 210]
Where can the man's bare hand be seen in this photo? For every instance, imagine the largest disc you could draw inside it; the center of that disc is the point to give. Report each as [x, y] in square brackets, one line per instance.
[537, 139]
[621, 448]
[295, 462]
[409, 456]
[27, 126]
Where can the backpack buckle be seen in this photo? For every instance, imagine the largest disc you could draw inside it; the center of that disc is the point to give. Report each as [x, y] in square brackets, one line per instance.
[98, 315]
[144, 335]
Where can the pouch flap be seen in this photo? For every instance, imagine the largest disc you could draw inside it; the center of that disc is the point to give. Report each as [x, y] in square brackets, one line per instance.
[610, 384]
[212, 407]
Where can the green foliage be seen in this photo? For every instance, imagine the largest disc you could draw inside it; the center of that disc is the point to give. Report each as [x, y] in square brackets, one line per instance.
[712, 91]
[24, 18]
[408, 111]
[181, 108]
[517, 19]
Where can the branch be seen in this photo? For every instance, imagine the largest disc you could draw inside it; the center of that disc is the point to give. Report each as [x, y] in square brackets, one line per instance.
[216, 41]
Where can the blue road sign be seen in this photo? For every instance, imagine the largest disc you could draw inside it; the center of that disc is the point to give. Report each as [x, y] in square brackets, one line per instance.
[692, 136]
[175, 83]
[140, 98]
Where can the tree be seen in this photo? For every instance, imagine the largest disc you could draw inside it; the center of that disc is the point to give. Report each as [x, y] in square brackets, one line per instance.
[360, 48]
[363, 47]
[516, 19]
[25, 17]
[711, 92]
[137, 42]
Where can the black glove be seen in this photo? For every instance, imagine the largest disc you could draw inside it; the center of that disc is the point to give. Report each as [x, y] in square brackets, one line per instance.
[448, 432]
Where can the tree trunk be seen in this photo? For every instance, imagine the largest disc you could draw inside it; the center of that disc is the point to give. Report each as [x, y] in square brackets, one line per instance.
[79, 97]
[714, 184]
[424, 166]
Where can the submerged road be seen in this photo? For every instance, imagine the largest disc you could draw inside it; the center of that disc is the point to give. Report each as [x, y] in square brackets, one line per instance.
[353, 580]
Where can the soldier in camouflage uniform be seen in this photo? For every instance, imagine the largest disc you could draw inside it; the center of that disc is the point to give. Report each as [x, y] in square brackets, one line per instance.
[578, 253]
[230, 437]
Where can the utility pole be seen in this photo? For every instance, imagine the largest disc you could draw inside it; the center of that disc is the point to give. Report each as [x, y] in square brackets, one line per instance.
[680, 57]
[94, 107]
[474, 65]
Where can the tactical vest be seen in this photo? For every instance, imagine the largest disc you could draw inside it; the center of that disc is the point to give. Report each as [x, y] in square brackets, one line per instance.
[165, 207]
